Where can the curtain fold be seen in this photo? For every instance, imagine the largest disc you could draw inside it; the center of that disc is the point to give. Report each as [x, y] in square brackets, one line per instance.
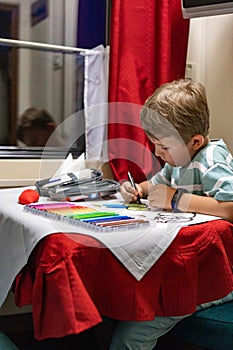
[92, 79]
[95, 101]
[148, 46]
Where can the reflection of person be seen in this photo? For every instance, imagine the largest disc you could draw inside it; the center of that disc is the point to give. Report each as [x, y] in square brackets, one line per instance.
[197, 177]
[36, 127]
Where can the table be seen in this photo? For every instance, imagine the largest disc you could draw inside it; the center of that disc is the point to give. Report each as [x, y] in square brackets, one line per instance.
[73, 280]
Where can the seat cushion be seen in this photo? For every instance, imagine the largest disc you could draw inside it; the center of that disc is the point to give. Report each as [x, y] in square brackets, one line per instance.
[6, 343]
[211, 328]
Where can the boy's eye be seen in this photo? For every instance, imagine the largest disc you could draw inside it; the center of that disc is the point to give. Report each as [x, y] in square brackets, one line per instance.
[161, 146]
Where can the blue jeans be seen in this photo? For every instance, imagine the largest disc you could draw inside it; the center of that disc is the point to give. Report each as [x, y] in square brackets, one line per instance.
[143, 335]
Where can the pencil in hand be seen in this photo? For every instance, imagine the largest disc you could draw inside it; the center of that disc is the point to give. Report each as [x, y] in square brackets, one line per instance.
[134, 186]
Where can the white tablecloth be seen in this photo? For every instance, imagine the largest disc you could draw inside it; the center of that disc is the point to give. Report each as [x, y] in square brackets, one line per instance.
[137, 249]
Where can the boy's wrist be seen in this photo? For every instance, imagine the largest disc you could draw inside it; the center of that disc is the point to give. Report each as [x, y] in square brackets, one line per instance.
[176, 197]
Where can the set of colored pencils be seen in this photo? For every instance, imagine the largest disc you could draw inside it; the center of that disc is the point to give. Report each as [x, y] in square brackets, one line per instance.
[85, 216]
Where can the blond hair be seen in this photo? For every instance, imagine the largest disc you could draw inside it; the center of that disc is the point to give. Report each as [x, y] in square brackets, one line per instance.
[177, 108]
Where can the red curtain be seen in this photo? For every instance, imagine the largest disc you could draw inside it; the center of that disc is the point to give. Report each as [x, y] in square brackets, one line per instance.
[148, 46]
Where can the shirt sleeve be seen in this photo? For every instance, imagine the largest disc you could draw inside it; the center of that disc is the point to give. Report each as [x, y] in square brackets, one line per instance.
[218, 182]
[163, 176]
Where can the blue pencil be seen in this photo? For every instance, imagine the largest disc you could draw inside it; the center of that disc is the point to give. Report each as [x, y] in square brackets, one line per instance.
[108, 218]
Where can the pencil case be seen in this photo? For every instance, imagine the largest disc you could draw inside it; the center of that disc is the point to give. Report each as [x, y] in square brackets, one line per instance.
[67, 180]
[91, 190]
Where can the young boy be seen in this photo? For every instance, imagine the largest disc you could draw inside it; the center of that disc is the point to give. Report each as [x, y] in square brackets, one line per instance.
[197, 177]
[198, 173]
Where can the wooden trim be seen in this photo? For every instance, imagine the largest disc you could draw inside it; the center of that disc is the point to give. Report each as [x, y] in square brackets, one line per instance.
[13, 71]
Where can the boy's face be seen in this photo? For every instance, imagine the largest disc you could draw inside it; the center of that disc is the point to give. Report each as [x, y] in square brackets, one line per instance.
[174, 151]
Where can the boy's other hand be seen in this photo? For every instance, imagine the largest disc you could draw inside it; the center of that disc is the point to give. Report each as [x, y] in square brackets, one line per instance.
[161, 196]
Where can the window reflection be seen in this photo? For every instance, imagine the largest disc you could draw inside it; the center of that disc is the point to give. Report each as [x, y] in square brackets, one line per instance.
[36, 127]
[49, 83]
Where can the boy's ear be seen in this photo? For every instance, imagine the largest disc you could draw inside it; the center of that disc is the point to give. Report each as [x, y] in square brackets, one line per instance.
[197, 142]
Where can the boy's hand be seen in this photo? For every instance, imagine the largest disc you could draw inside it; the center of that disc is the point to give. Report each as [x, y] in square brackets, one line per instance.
[161, 196]
[128, 193]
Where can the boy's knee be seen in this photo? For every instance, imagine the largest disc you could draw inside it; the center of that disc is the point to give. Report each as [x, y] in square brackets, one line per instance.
[132, 336]
[141, 335]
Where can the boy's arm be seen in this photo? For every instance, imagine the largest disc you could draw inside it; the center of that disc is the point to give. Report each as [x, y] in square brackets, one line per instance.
[206, 205]
[161, 196]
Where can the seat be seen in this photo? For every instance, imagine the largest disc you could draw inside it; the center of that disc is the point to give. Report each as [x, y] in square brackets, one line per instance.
[210, 328]
[6, 343]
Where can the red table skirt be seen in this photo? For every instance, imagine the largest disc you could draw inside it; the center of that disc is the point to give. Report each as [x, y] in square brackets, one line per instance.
[71, 280]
